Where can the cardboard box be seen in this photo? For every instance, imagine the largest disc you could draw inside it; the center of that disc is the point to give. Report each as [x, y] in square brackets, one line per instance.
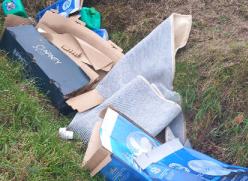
[120, 150]
[55, 73]
[64, 7]
[85, 48]
[92, 54]
[69, 46]
[77, 28]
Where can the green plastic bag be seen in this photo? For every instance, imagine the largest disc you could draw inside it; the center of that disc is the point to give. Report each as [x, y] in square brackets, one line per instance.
[91, 17]
[14, 7]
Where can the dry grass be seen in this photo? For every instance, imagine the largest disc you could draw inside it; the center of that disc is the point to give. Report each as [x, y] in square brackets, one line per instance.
[212, 77]
[211, 69]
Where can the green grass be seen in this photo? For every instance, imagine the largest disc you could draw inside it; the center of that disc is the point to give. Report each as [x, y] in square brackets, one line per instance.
[213, 85]
[30, 148]
[211, 76]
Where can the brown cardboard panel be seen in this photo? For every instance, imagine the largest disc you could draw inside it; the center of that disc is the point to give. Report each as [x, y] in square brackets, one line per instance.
[62, 25]
[57, 75]
[91, 73]
[101, 74]
[101, 165]
[96, 156]
[79, 48]
[108, 67]
[65, 41]
[96, 58]
[85, 101]
[94, 143]
[13, 20]
[113, 45]
[69, 40]
[58, 40]
[99, 53]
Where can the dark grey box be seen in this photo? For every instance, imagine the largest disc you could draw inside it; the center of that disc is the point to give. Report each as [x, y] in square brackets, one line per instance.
[55, 73]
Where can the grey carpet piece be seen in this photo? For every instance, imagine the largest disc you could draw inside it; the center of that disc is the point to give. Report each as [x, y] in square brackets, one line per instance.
[178, 127]
[152, 58]
[152, 106]
[138, 101]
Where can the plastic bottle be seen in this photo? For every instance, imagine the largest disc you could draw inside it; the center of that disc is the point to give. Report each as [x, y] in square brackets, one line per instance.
[14, 7]
[91, 17]
[68, 135]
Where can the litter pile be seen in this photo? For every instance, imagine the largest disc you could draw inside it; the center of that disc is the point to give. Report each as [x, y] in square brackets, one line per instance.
[67, 58]
[127, 112]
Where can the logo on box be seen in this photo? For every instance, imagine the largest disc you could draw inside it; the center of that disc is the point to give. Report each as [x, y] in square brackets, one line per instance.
[41, 49]
[66, 5]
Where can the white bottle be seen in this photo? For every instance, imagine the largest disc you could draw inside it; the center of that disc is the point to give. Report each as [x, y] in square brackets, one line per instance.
[65, 135]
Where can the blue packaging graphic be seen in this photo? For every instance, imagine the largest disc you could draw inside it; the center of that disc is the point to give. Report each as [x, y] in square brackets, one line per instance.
[64, 7]
[102, 33]
[132, 149]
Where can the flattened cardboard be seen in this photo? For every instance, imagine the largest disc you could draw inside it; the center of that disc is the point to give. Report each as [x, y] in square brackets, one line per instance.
[13, 20]
[85, 101]
[78, 56]
[59, 41]
[62, 25]
[93, 57]
[65, 41]
[99, 53]
[55, 73]
[96, 157]
[76, 50]
[96, 58]
[112, 44]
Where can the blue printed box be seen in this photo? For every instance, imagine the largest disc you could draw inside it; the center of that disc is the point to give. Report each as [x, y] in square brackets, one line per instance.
[64, 7]
[122, 151]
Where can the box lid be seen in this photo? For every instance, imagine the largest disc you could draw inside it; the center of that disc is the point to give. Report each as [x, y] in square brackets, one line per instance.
[59, 68]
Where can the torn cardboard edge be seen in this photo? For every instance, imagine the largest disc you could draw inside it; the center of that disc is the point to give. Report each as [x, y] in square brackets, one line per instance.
[80, 100]
[62, 25]
[96, 156]
[76, 42]
[59, 40]
[51, 76]
[13, 20]
[96, 58]
[78, 50]
[97, 52]
[85, 101]
[98, 153]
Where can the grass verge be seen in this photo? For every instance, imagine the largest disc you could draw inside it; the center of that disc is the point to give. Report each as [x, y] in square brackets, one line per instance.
[211, 76]
[30, 148]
